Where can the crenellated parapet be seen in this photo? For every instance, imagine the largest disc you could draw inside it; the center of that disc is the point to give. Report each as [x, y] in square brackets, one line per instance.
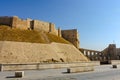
[5, 20]
[20, 23]
[16, 22]
[29, 24]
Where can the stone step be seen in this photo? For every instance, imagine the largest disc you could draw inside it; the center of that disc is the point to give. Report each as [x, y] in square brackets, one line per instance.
[80, 69]
[19, 74]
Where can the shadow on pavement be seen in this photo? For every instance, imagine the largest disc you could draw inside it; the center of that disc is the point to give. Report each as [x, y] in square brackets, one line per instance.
[12, 77]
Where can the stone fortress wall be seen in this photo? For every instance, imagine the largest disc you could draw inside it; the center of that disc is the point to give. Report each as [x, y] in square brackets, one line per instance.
[16, 22]
[105, 56]
[19, 23]
[112, 52]
[6, 20]
[29, 24]
[72, 36]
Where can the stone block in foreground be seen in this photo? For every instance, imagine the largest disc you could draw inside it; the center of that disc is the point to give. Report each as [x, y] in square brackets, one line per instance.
[80, 69]
[19, 74]
[114, 66]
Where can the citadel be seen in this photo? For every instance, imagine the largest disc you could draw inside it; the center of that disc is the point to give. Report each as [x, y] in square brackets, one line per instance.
[23, 55]
[29, 24]
[109, 53]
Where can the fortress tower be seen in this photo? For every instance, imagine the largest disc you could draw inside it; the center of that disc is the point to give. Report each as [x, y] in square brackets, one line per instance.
[112, 51]
[72, 36]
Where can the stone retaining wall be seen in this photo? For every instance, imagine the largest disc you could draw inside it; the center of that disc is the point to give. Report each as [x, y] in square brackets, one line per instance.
[115, 62]
[37, 66]
[95, 63]
[80, 69]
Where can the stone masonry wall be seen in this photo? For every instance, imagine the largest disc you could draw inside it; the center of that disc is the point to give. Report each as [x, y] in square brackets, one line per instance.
[72, 36]
[44, 26]
[112, 52]
[16, 22]
[118, 51]
[6, 20]
[39, 25]
[24, 52]
[19, 23]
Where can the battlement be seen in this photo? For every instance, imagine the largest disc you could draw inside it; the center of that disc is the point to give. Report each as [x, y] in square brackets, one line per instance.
[29, 24]
[5, 20]
[16, 22]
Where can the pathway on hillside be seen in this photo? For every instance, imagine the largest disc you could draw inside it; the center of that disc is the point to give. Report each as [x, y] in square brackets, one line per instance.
[45, 37]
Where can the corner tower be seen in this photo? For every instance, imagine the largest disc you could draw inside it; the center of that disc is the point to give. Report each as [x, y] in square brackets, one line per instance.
[71, 36]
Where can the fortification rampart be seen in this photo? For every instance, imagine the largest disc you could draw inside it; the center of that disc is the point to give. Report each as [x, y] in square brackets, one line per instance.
[112, 52]
[6, 20]
[19, 23]
[72, 36]
[39, 25]
[29, 24]
[16, 22]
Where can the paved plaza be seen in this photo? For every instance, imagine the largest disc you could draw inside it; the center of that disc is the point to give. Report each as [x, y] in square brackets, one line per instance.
[104, 72]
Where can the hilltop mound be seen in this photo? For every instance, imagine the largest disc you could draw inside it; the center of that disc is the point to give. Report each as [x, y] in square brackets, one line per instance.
[22, 52]
[26, 46]
[8, 34]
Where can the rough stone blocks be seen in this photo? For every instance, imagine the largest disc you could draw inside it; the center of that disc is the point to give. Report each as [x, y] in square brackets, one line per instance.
[1, 69]
[19, 73]
[114, 66]
[80, 69]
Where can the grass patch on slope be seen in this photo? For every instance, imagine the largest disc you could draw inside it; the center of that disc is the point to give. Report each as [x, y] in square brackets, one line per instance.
[8, 34]
[54, 38]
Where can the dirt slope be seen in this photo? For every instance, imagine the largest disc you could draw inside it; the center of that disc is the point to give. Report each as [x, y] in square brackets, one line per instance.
[8, 34]
[22, 52]
[29, 46]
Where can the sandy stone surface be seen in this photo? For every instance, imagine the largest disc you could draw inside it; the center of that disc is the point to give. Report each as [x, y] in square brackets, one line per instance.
[105, 72]
[22, 52]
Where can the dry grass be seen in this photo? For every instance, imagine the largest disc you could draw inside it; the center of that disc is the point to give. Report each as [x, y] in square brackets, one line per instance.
[54, 38]
[8, 34]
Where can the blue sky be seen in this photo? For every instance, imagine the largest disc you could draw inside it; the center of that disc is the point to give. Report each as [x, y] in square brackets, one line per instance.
[97, 21]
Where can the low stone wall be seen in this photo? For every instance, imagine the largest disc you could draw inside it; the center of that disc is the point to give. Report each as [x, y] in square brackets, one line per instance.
[115, 62]
[37, 66]
[0, 67]
[96, 63]
[80, 69]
